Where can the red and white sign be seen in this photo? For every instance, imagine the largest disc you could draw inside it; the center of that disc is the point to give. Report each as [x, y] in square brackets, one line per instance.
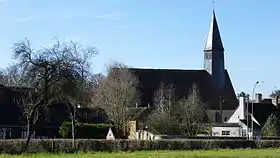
[110, 135]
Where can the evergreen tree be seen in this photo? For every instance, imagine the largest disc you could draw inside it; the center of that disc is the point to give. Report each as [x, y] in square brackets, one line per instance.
[271, 126]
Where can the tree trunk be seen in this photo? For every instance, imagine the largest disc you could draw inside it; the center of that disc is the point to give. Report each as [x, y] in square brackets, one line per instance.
[28, 136]
[73, 128]
[73, 134]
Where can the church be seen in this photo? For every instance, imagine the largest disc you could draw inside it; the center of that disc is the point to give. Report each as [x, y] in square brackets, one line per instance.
[213, 81]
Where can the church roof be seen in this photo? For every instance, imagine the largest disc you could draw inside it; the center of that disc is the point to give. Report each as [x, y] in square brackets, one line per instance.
[182, 81]
[214, 41]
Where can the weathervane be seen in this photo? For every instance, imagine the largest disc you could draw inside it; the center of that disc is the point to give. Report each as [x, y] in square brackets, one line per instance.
[213, 2]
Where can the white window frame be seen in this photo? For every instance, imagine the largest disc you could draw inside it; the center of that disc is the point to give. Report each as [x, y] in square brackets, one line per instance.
[225, 133]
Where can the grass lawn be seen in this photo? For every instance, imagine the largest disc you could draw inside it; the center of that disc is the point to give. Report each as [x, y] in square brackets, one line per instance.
[244, 153]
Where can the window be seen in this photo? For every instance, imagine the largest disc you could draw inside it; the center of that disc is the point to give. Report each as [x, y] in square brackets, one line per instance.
[225, 133]
[207, 56]
[8, 133]
[2, 133]
[5, 133]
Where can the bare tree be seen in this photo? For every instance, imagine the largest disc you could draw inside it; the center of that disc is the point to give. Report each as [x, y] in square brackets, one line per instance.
[163, 98]
[38, 65]
[14, 75]
[3, 78]
[160, 99]
[60, 72]
[73, 84]
[160, 121]
[191, 113]
[27, 99]
[29, 102]
[116, 93]
[275, 93]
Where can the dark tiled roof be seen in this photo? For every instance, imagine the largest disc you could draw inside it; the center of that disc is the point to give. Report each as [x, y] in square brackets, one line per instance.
[182, 81]
[139, 114]
[58, 113]
[10, 113]
[262, 111]
[225, 125]
[214, 41]
[256, 126]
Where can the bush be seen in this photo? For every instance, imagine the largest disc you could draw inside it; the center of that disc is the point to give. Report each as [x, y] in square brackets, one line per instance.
[86, 130]
[271, 126]
[90, 145]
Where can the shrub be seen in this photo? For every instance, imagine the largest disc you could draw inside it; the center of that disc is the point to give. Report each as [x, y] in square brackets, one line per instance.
[86, 130]
[271, 126]
[90, 145]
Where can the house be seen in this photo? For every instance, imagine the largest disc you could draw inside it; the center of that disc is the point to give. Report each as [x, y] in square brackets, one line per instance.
[226, 130]
[240, 123]
[12, 122]
[213, 81]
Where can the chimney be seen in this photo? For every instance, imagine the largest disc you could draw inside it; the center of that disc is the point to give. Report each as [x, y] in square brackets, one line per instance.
[258, 97]
[242, 106]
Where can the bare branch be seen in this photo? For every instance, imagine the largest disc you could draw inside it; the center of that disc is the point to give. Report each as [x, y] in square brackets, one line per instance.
[191, 112]
[116, 93]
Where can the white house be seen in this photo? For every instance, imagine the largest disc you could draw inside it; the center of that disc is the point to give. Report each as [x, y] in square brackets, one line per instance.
[226, 130]
[241, 120]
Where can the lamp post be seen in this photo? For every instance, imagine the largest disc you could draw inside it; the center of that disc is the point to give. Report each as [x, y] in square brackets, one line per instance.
[247, 114]
[252, 113]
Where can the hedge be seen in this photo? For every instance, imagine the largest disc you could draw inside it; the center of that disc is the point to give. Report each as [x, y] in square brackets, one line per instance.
[85, 130]
[90, 145]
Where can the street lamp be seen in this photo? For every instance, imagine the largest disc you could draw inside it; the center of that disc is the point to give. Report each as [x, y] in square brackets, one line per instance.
[247, 114]
[252, 113]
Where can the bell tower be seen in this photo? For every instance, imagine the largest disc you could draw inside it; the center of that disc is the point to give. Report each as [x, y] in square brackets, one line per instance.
[214, 62]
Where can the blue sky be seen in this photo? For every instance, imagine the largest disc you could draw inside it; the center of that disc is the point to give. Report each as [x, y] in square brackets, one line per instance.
[154, 33]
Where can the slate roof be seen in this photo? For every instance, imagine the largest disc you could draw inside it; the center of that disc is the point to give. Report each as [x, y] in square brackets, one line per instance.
[214, 40]
[255, 126]
[182, 81]
[9, 113]
[225, 125]
[262, 111]
[140, 113]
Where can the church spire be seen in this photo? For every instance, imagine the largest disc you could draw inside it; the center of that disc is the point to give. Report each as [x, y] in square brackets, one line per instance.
[214, 41]
[214, 62]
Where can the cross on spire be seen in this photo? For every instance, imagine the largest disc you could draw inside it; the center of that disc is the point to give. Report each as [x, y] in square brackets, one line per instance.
[213, 3]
